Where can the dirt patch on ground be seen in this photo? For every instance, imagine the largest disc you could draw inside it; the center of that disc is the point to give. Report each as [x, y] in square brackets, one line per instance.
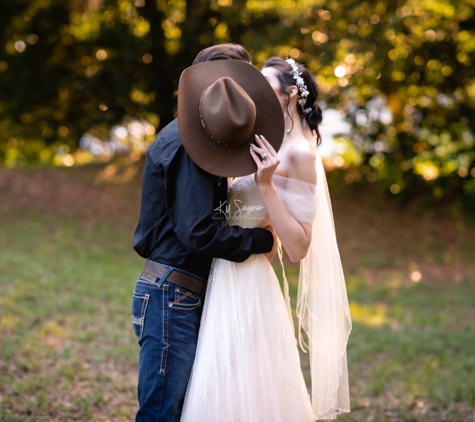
[387, 241]
[86, 194]
[379, 240]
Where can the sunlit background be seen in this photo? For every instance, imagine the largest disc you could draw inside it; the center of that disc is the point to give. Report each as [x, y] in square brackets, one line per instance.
[84, 81]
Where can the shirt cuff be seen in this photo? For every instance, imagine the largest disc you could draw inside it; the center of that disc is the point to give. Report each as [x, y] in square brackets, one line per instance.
[263, 241]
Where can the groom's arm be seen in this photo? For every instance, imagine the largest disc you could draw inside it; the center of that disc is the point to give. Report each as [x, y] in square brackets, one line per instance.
[190, 202]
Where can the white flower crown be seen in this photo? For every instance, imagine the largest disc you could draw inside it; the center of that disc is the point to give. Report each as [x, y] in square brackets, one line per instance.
[303, 90]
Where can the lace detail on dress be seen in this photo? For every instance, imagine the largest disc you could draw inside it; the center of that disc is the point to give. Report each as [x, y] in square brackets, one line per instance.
[238, 382]
[221, 326]
[205, 384]
[265, 317]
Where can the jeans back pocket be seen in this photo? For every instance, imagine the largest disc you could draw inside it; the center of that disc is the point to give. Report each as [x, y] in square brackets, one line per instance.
[139, 309]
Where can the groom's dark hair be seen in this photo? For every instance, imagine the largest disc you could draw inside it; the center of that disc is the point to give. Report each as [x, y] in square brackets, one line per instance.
[223, 52]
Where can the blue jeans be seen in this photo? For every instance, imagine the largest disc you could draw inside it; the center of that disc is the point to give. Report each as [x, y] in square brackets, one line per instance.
[166, 319]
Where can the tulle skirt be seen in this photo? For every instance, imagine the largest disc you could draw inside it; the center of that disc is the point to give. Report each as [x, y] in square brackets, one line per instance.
[247, 365]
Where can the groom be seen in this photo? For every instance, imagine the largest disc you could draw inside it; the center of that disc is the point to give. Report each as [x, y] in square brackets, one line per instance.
[179, 233]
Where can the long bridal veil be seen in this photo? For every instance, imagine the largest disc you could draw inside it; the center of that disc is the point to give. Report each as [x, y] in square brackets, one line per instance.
[322, 302]
[323, 310]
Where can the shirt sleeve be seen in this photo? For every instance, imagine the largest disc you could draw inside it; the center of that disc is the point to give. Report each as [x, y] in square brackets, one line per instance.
[145, 234]
[190, 201]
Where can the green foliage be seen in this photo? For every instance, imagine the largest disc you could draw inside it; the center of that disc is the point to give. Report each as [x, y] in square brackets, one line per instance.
[401, 72]
[417, 57]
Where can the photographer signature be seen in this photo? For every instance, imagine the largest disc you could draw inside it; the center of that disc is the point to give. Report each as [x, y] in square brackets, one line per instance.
[242, 211]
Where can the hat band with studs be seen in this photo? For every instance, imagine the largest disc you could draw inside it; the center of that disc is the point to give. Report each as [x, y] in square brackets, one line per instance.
[201, 116]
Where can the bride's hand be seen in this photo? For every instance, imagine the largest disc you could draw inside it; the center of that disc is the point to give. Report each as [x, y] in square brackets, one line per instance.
[266, 160]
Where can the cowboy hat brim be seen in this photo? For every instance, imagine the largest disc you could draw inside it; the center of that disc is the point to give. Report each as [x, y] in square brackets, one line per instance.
[206, 153]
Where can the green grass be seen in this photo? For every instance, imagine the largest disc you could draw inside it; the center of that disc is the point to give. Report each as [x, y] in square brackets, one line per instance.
[412, 352]
[68, 352]
[67, 347]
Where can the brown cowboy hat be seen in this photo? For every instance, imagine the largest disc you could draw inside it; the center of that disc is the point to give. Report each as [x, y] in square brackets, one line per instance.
[222, 104]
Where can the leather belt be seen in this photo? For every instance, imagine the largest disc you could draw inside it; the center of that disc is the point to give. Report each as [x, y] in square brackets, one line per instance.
[153, 270]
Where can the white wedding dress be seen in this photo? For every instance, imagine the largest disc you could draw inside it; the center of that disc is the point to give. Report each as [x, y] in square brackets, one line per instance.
[247, 365]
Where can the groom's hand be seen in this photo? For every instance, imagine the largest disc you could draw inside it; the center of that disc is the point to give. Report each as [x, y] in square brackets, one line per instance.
[270, 255]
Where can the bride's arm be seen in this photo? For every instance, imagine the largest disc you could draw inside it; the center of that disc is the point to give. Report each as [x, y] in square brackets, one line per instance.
[294, 235]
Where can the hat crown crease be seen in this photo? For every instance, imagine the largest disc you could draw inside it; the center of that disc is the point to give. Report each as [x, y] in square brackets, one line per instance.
[228, 112]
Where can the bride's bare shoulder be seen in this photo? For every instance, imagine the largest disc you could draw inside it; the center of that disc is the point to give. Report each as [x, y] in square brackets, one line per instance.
[302, 151]
[302, 162]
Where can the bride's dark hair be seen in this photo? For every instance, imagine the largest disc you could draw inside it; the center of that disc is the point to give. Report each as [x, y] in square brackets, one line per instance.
[313, 117]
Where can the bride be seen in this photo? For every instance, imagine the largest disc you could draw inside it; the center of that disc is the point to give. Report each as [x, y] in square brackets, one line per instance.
[247, 366]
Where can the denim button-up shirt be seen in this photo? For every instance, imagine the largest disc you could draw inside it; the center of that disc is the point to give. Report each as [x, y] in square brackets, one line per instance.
[178, 224]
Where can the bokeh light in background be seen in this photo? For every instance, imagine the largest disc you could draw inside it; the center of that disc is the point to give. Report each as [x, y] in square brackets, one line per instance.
[400, 75]
[130, 139]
